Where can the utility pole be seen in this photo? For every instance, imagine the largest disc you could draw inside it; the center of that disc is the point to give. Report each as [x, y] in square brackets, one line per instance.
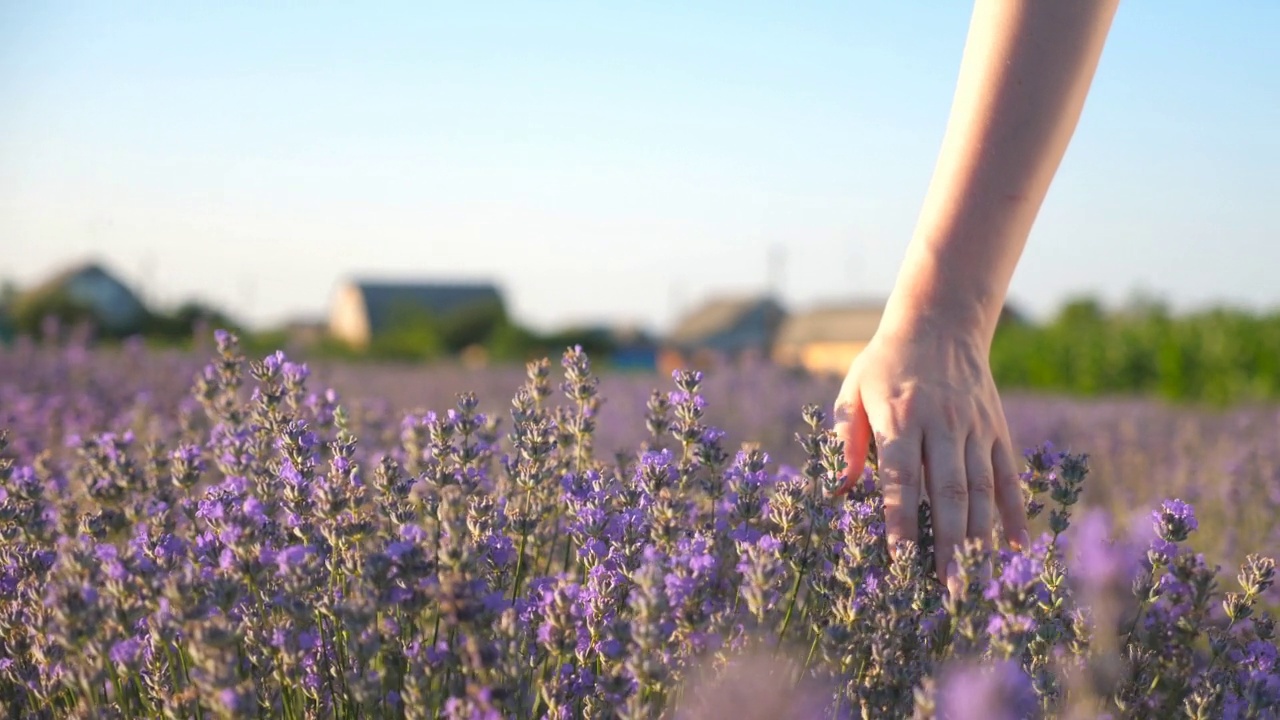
[247, 288]
[675, 300]
[147, 279]
[776, 262]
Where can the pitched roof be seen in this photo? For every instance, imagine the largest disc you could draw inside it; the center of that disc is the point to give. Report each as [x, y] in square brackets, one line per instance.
[114, 304]
[842, 323]
[383, 299]
[59, 280]
[723, 315]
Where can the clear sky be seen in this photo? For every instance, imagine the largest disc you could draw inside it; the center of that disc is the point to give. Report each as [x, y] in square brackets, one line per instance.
[605, 161]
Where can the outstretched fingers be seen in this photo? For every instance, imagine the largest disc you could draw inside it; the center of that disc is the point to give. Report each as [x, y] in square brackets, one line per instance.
[981, 480]
[948, 486]
[901, 459]
[1008, 494]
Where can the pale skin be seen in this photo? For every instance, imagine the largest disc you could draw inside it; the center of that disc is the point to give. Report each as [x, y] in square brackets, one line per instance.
[922, 389]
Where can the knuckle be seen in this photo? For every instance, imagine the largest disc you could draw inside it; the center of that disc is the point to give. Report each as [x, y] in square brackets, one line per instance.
[845, 409]
[1008, 484]
[985, 418]
[904, 410]
[840, 412]
[982, 483]
[953, 490]
[899, 476]
[955, 416]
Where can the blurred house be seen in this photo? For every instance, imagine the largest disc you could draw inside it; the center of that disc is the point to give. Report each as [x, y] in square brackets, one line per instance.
[622, 347]
[722, 330]
[88, 287]
[304, 333]
[619, 347]
[362, 310]
[825, 340]
[633, 349]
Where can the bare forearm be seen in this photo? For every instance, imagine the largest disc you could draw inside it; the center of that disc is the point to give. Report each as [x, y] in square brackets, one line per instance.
[1026, 71]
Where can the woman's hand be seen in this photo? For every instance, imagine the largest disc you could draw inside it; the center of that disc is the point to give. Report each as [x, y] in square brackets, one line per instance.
[927, 397]
[923, 386]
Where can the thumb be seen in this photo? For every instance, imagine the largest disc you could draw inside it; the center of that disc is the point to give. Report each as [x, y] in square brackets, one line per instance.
[854, 429]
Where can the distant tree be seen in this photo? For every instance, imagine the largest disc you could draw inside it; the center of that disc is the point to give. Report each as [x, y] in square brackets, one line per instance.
[1217, 356]
[471, 325]
[510, 342]
[8, 294]
[1142, 304]
[1080, 313]
[190, 317]
[193, 313]
[597, 342]
[30, 312]
[411, 334]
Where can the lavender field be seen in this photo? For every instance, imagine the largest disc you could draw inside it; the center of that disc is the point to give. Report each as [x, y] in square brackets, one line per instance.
[208, 535]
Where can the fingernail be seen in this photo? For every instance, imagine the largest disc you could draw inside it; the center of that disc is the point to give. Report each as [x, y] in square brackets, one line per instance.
[953, 581]
[984, 572]
[842, 488]
[1024, 541]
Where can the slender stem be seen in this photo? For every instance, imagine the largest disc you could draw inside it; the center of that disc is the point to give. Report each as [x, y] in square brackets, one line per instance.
[555, 540]
[809, 658]
[115, 683]
[568, 551]
[1128, 638]
[791, 605]
[186, 672]
[515, 586]
[795, 589]
[435, 632]
[524, 537]
[333, 693]
[285, 701]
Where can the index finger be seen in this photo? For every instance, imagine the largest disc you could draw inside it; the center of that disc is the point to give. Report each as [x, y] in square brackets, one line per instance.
[854, 429]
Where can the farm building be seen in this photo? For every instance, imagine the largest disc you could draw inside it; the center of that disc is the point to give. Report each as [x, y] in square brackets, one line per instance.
[723, 329]
[825, 340]
[90, 288]
[362, 310]
[633, 349]
[302, 333]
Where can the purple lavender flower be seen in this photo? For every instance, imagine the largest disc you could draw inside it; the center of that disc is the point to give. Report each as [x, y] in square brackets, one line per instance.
[1019, 574]
[1002, 691]
[126, 652]
[293, 558]
[231, 556]
[1174, 521]
[1097, 560]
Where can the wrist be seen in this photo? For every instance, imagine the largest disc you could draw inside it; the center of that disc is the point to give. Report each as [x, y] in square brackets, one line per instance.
[939, 298]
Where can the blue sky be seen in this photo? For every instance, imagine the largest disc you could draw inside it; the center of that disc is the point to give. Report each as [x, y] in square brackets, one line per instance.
[605, 161]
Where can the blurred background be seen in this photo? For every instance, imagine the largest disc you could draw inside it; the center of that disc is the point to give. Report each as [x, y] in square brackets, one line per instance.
[480, 183]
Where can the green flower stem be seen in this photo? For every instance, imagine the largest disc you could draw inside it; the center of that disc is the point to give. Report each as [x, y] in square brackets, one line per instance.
[795, 590]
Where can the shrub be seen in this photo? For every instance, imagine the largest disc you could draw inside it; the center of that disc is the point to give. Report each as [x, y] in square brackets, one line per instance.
[258, 559]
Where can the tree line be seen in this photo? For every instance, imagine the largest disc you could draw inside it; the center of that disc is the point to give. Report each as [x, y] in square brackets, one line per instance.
[1218, 356]
[413, 335]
